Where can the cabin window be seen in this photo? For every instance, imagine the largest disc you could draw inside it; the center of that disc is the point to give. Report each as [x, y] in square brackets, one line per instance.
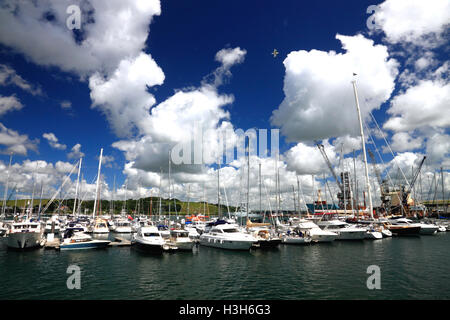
[230, 230]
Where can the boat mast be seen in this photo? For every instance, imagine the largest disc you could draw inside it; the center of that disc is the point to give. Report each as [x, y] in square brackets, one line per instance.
[170, 190]
[443, 193]
[6, 187]
[98, 183]
[248, 178]
[298, 197]
[160, 204]
[76, 188]
[260, 194]
[40, 201]
[369, 191]
[356, 197]
[218, 189]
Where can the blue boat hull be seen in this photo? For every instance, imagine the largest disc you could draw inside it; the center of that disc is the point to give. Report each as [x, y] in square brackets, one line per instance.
[84, 245]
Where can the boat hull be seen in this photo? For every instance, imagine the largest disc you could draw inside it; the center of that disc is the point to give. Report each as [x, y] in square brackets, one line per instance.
[350, 235]
[404, 230]
[24, 240]
[95, 244]
[323, 237]
[226, 244]
[428, 230]
[297, 240]
[374, 235]
[271, 243]
[151, 248]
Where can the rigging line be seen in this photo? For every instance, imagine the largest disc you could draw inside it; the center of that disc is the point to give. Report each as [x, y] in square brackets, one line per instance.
[85, 193]
[384, 138]
[390, 150]
[60, 188]
[268, 200]
[381, 158]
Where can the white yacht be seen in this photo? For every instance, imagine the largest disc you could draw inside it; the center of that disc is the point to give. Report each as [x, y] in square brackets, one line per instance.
[224, 235]
[374, 233]
[4, 229]
[314, 232]
[193, 233]
[296, 236]
[122, 226]
[24, 235]
[266, 236]
[343, 230]
[425, 228]
[52, 224]
[180, 238]
[99, 226]
[150, 239]
[74, 238]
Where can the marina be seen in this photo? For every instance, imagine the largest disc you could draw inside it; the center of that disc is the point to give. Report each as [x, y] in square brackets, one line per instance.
[202, 152]
[288, 272]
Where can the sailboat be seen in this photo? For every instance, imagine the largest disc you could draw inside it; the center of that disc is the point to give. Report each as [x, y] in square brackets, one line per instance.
[261, 231]
[99, 226]
[224, 235]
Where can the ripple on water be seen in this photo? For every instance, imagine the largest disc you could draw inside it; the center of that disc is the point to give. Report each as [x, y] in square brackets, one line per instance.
[411, 268]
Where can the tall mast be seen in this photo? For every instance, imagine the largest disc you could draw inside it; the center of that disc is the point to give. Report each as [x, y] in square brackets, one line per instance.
[160, 204]
[218, 189]
[443, 193]
[170, 194]
[248, 179]
[6, 187]
[298, 196]
[98, 183]
[76, 188]
[40, 201]
[355, 185]
[369, 191]
[260, 194]
[189, 190]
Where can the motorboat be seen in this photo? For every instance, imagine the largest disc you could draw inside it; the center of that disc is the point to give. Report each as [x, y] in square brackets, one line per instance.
[428, 228]
[374, 233]
[315, 232]
[122, 226]
[150, 239]
[343, 230]
[180, 238]
[4, 229]
[296, 237]
[264, 234]
[24, 235]
[74, 238]
[52, 225]
[193, 233]
[99, 226]
[403, 227]
[225, 235]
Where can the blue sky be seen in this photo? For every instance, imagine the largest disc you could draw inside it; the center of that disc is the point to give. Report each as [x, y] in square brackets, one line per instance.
[183, 39]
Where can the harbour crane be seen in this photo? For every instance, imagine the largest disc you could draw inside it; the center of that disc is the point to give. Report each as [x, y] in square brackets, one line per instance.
[406, 194]
[341, 197]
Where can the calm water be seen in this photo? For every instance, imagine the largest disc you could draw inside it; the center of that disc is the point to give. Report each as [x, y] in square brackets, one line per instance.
[411, 268]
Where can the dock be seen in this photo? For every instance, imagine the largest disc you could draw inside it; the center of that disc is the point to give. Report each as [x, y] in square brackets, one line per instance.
[53, 244]
[120, 242]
